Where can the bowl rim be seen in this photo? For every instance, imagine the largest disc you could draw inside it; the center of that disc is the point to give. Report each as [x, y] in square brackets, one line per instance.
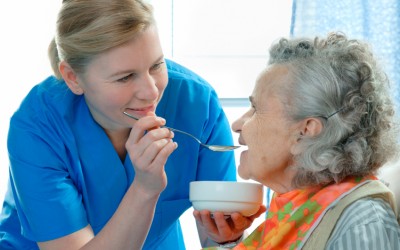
[254, 197]
[229, 182]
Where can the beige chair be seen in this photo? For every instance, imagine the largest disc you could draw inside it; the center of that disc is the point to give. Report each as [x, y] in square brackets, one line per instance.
[390, 174]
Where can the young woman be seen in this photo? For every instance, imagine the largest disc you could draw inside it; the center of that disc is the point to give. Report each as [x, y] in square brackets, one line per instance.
[83, 175]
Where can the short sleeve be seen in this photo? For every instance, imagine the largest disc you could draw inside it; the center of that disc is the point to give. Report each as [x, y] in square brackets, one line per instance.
[47, 200]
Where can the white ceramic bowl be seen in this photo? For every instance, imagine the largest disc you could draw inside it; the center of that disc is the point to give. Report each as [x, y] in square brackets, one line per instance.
[226, 196]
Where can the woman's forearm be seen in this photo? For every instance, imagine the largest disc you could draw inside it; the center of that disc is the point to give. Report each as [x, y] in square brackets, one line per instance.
[130, 224]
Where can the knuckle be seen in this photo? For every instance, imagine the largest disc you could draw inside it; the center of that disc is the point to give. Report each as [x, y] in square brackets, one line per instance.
[138, 126]
[152, 134]
[159, 146]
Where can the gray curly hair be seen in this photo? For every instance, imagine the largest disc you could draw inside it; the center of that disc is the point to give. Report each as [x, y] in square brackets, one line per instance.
[338, 81]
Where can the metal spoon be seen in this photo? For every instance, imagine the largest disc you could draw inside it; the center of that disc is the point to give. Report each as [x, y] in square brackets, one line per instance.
[218, 148]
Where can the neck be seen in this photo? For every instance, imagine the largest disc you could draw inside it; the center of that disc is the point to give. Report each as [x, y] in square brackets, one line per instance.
[118, 139]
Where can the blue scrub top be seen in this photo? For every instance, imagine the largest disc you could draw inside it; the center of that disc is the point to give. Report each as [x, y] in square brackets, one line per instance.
[65, 173]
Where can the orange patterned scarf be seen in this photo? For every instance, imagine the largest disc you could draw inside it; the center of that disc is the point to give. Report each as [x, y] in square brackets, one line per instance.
[293, 216]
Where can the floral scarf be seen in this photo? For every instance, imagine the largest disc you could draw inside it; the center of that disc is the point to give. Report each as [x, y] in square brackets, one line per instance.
[292, 216]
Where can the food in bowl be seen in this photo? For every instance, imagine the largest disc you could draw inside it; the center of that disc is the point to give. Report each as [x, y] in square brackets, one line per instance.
[226, 196]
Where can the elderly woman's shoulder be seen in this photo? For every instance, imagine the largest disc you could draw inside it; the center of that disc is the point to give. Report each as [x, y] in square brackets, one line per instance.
[366, 223]
[390, 175]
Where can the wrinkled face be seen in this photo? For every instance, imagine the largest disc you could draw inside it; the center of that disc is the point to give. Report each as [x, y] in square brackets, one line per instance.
[268, 133]
[129, 78]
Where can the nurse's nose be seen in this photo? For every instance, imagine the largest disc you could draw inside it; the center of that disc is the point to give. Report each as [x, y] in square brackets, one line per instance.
[148, 88]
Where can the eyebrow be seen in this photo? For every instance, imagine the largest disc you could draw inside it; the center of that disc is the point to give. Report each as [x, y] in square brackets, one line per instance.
[129, 71]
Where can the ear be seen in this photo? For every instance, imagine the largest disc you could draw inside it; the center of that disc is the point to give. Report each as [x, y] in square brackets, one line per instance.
[70, 78]
[309, 127]
[313, 127]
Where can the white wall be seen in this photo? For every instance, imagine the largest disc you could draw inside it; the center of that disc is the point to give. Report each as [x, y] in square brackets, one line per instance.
[26, 30]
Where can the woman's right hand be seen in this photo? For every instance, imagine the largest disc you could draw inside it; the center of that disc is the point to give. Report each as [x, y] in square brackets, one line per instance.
[149, 147]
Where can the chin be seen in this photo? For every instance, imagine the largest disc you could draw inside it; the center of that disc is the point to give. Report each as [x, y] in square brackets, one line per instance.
[242, 172]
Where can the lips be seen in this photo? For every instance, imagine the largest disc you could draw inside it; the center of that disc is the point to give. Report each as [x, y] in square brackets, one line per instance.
[241, 141]
[141, 111]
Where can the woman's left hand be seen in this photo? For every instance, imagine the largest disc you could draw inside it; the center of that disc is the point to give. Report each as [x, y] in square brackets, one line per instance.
[221, 229]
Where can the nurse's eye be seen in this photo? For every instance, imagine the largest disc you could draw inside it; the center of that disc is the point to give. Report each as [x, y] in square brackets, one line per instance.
[157, 66]
[126, 78]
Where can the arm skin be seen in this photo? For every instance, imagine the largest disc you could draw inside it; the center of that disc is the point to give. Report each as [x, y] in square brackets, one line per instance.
[129, 226]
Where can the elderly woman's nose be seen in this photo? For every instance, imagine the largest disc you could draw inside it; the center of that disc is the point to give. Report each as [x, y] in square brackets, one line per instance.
[237, 125]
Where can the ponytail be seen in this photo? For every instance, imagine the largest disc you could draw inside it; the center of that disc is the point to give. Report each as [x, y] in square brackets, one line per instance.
[54, 59]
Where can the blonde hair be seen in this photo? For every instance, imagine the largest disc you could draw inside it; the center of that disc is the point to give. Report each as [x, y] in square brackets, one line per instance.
[86, 28]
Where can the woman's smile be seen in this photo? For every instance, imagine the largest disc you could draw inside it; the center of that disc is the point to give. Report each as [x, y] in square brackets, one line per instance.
[140, 112]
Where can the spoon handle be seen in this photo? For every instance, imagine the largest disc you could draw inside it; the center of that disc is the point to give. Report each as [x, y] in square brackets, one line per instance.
[218, 148]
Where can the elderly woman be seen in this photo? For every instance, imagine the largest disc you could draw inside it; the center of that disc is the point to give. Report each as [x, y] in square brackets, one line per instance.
[321, 124]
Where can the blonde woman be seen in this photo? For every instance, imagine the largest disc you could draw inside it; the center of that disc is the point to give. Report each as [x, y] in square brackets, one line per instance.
[83, 175]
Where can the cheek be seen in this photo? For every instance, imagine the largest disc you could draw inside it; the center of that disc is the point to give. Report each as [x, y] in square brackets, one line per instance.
[96, 97]
[268, 149]
[255, 134]
[252, 161]
[248, 131]
[162, 82]
[118, 95]
[162, 79]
